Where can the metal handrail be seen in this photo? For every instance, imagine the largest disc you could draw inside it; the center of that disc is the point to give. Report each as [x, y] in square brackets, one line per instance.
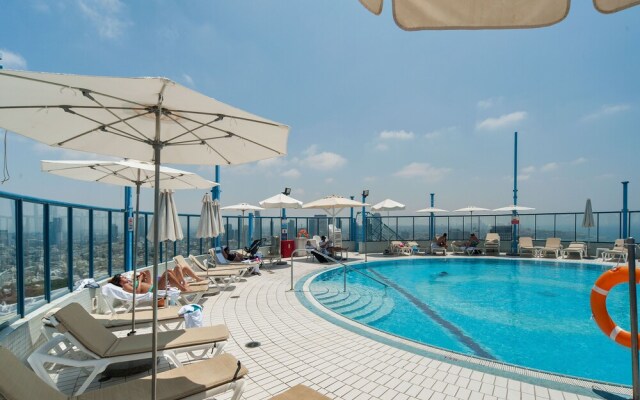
[344, 265]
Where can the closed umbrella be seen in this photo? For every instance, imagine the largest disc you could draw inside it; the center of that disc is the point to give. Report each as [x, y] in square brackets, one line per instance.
[388, 205]
[149, 119]
[470, 210]
[169, 227]
[207, 227]
[127, 173]
[587, 220]
[484, 14]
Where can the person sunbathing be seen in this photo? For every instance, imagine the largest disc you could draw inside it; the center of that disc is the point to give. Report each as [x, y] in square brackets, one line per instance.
[231, 256]
[144, 283]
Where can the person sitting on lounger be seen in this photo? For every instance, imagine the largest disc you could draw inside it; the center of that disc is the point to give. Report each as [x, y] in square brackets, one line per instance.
[442, 241]
[473, 241]
[231, 256]
[325, 245]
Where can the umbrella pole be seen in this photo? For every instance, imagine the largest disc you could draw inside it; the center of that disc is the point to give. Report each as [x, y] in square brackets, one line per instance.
[135, 257]
[157, 146]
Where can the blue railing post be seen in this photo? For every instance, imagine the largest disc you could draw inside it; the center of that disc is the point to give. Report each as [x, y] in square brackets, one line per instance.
[215, 194]
[91, 244]
[46, 243]
[514, 213]
[128, 241]
[70, 248]
[250, 228]
[432, 228]
[20, 258]
[625, 209]
[109, 243]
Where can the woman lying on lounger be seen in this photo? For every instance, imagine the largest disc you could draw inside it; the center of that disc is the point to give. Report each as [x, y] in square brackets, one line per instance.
[144, 283]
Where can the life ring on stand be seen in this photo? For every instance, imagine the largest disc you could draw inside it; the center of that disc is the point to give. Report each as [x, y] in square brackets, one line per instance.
[303, 233]
[599, 292]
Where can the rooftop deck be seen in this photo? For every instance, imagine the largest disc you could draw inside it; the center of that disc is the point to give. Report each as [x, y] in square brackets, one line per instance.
[300, 346]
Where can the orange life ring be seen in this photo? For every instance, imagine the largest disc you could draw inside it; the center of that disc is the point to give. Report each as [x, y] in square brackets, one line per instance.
[303, 233]
[599, 292]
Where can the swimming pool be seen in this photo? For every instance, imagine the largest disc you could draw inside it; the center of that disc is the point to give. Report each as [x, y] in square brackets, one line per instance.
[530, 313]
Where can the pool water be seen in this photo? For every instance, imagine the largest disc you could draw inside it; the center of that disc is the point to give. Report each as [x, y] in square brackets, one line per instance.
[530, 313]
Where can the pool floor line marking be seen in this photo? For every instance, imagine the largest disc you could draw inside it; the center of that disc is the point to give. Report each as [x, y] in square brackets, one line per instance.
[454, 330]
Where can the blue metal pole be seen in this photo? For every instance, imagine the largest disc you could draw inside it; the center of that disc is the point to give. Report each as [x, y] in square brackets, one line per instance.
[215, 194]
[352, 224]
[432, 229]
[128, 241]
[364, 222]
[514, 227]
[625, 209]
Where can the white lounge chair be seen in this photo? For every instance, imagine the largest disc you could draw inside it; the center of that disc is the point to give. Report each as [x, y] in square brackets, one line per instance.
[526, 247]
[400, 248]
[436, 249]
[492, 243]
[200, 380]
[101, 348]
[299, 392]
[551, 247]
[220, 279]
[578, 249]
[618, 252]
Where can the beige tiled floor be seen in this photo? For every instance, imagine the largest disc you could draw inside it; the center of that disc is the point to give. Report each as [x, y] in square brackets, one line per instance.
[299, 346]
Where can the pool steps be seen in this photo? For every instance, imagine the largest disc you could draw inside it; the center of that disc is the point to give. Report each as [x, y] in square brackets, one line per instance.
[359, 303]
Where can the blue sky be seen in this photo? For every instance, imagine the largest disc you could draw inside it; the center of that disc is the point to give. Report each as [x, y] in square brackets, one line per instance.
[370, 106]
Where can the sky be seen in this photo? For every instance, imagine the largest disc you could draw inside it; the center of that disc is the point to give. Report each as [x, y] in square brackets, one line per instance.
[370, 106]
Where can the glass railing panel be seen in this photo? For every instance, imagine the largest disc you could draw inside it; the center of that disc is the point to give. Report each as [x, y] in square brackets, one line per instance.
[33, 256]
[458, 228]
[566, 227]
[194, 241]
[545, 227]
[527, 226]
[8, 276]
[118, 237]
[441, 226]
[182, 245]
[609, 228]
[404, 228]
[140, 250]
[584, 234]
[80, 244]
[58, 250]
[501, 225]
[421, 229]
[634, 224]
[100, 244]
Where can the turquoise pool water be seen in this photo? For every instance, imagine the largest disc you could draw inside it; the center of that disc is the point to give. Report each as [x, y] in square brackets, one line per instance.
[530, 313]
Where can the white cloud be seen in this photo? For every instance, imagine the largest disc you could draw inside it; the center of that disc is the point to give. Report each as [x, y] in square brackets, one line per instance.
[528, 170]
[548, 167]
[292, 173]
[523, 177]
[311, 150]
[67, 154]
[606, 111]
[423, 170]
[502, 121]
[488, 103]
[396, 135]
[12, 60]
[369, 178]
[325, 161]
[382, 147]
[272, 163]
[328, 180]
[104, 15]
[578, 161]
[438, 133]
[188, 79]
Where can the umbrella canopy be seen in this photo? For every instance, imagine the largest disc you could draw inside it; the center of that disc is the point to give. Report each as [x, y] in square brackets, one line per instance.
[168, 221]
[280, 200]
[484, 14]
[333, 204]
[514, 208]
[117, 116]
[208, 226]
[141, 118]
[587, 221]
[471, 209]
[432, 210]
[242, 207]
[388, 205]
[126, 173]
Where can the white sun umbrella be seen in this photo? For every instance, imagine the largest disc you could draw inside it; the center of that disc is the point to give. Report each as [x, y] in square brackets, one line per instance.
[432, 210]
[471, 210]
[333, 205]
[126, 173]
[484, 14]
[514, 208]
[388, 205]
[281, 201]
[242, 207]
[149, 119]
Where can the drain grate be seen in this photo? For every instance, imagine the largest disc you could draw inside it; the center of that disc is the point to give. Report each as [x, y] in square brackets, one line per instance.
[252, 345]
[234, 297]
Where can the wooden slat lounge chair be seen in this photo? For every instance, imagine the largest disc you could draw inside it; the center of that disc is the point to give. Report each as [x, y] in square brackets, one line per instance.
[102, 348]
[526, 247]
[618, 252]
[299, 392]
[219, 279]
[400, 249]
[200, 380]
